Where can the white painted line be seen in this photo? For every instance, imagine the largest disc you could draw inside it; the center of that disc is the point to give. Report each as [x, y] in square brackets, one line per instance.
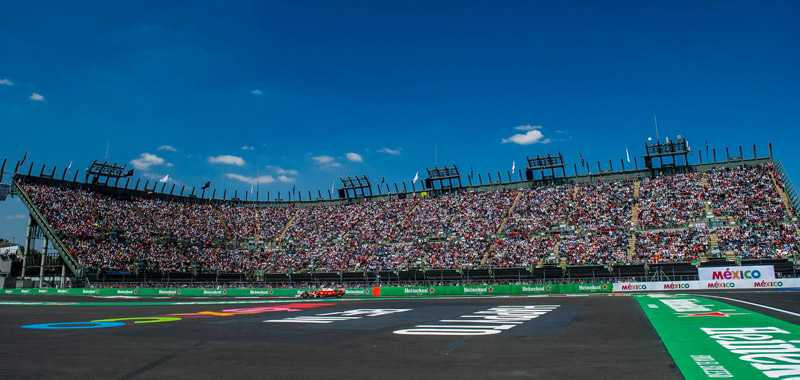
[652, 306]
[755, 304]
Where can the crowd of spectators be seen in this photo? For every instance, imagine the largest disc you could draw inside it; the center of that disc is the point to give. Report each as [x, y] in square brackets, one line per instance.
[671, 201]
[746, 194]
[540, 208]
[593, 248]
[602, 205]
[767, 241]
[671, 246]
[521, 252]
[588, 223]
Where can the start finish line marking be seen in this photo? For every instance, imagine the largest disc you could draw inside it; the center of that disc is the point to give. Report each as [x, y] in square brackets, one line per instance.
[487, 322]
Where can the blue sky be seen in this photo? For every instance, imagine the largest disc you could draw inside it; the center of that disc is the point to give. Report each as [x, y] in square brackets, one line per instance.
[308, 91]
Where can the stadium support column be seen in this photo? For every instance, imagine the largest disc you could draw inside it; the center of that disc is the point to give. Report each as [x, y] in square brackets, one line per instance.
[28, 245]
[41, 267]
[63, 273]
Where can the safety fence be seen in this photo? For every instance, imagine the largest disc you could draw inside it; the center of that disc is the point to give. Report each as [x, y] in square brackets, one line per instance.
[623, 287]
[373, 291]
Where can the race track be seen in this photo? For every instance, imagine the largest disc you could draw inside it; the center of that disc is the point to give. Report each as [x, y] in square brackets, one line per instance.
[589, 337]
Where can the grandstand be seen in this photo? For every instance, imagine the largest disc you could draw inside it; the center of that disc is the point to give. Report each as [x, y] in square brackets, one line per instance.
[657, 222]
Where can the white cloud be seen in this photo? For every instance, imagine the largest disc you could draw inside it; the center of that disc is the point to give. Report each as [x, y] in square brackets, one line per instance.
[256, 92]
[245, 147]
[354, 157]
[6, 82]
[168, 147]
[527, 127]
[17, 216]
[251, 180]
[325, 161]
[156, 176]
[530, 137]
[280, 170]
[226, 159]
[285, 179]
[36, 97]
[169, 164]
[146, 160]
[393, 152]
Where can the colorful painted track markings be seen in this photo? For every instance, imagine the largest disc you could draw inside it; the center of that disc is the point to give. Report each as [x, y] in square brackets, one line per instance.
[709, 339]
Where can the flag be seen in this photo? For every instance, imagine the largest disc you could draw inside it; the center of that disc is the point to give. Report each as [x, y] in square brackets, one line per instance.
[513, 166]
[165, 179]
[251, 188]
[706, 147]
[128, 173]
[292, 189]
[416, 177]
[207, 185]
[333, 185]
[69, 167]
[628, 155]
[24, 157]
[581, 159]
[383, 179]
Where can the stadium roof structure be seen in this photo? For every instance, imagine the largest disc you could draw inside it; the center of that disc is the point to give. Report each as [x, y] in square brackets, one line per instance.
[544, 163]
[356, 185]
[668, 149]
[359, 188]
[440, 175]
[99, 170]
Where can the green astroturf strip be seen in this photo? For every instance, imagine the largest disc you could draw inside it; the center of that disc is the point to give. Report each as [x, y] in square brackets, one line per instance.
[709, 339]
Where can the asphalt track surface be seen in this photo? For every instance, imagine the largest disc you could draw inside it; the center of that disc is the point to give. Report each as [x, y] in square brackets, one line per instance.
[585, 337]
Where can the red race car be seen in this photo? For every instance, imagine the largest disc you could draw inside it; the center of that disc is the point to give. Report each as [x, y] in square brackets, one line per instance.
[322, 293]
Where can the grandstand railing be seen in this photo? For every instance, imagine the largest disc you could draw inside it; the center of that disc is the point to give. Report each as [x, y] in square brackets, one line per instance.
[791, 192]
[70, 261]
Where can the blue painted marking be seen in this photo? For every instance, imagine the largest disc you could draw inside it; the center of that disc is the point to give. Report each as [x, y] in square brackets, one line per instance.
[73, 325]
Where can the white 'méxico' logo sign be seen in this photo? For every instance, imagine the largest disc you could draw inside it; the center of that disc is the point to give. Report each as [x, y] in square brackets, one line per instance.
[753, 272]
